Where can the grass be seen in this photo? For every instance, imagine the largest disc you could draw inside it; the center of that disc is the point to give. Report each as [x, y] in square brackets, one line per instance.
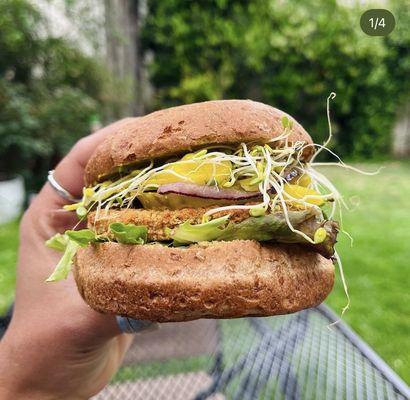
[377, 267]
[8, 258]
[169, 367]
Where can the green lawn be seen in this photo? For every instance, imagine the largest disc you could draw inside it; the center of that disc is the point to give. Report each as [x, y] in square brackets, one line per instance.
[8, 257]
[377, 267]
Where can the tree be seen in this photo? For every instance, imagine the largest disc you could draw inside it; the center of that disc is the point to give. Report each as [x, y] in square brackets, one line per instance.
[121, 31]
[49, 91]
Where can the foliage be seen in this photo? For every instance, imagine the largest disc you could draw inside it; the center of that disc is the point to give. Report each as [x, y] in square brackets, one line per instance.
[49, 91]
[289, 54]
[398, 61]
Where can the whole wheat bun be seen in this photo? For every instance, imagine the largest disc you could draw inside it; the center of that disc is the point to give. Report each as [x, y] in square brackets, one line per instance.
[208, 280]
[186, 128]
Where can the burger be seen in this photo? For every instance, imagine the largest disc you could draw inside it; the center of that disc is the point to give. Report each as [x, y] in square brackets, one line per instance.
[207, 210]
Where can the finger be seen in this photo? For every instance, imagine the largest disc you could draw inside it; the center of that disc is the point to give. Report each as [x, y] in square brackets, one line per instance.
[69, 173]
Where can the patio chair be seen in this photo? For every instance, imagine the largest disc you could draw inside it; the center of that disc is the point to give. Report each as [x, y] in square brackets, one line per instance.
[296, 356]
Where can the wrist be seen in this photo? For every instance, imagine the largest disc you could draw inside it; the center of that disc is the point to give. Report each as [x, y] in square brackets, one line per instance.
[14, 380]
[8, 393]
[20, 376]
[12, 385]
[44, 365]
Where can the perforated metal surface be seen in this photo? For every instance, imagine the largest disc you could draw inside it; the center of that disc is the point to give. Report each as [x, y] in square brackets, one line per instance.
[288, 357]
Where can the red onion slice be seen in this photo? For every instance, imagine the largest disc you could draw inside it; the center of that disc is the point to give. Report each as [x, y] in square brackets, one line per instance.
[206, 192]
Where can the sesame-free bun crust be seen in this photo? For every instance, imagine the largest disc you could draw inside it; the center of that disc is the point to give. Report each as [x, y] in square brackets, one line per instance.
[185, 128]
[208, 280]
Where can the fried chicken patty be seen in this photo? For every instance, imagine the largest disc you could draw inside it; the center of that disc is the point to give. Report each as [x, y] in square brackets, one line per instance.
[156, 221]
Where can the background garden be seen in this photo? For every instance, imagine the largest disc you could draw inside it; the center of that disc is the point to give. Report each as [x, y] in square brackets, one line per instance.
[56, 87]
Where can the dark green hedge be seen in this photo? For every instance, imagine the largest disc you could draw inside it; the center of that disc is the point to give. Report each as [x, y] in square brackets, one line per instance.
[289, 54]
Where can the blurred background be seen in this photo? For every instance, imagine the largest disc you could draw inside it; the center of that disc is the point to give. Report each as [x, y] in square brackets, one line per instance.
[68, 67]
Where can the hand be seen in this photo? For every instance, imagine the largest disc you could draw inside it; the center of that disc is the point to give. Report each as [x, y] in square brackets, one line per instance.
[56, 347]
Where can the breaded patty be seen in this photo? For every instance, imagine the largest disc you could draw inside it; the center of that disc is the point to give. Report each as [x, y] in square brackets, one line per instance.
[156, 221]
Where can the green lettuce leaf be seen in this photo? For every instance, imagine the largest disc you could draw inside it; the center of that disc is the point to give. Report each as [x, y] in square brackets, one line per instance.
[267, 227]
[64, 265]
[69, 243]
[129, 233]
[187, 233]
[272, 227]
[57, 242]
[82, 237]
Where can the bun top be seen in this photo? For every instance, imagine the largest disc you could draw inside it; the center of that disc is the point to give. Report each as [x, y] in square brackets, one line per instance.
[185, 128]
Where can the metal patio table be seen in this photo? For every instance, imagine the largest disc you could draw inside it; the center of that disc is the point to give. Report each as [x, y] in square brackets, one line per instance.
[296, 356]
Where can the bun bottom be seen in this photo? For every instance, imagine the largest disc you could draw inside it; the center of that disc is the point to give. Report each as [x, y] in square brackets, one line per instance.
[208, 280]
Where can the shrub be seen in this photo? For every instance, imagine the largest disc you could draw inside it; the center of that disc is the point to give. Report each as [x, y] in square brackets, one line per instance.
[288, 54]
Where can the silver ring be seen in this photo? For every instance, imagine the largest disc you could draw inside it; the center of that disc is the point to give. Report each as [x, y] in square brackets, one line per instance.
[129, 325]
[59, 189]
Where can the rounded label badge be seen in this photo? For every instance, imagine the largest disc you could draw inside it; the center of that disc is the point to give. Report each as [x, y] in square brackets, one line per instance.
[377, 22]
